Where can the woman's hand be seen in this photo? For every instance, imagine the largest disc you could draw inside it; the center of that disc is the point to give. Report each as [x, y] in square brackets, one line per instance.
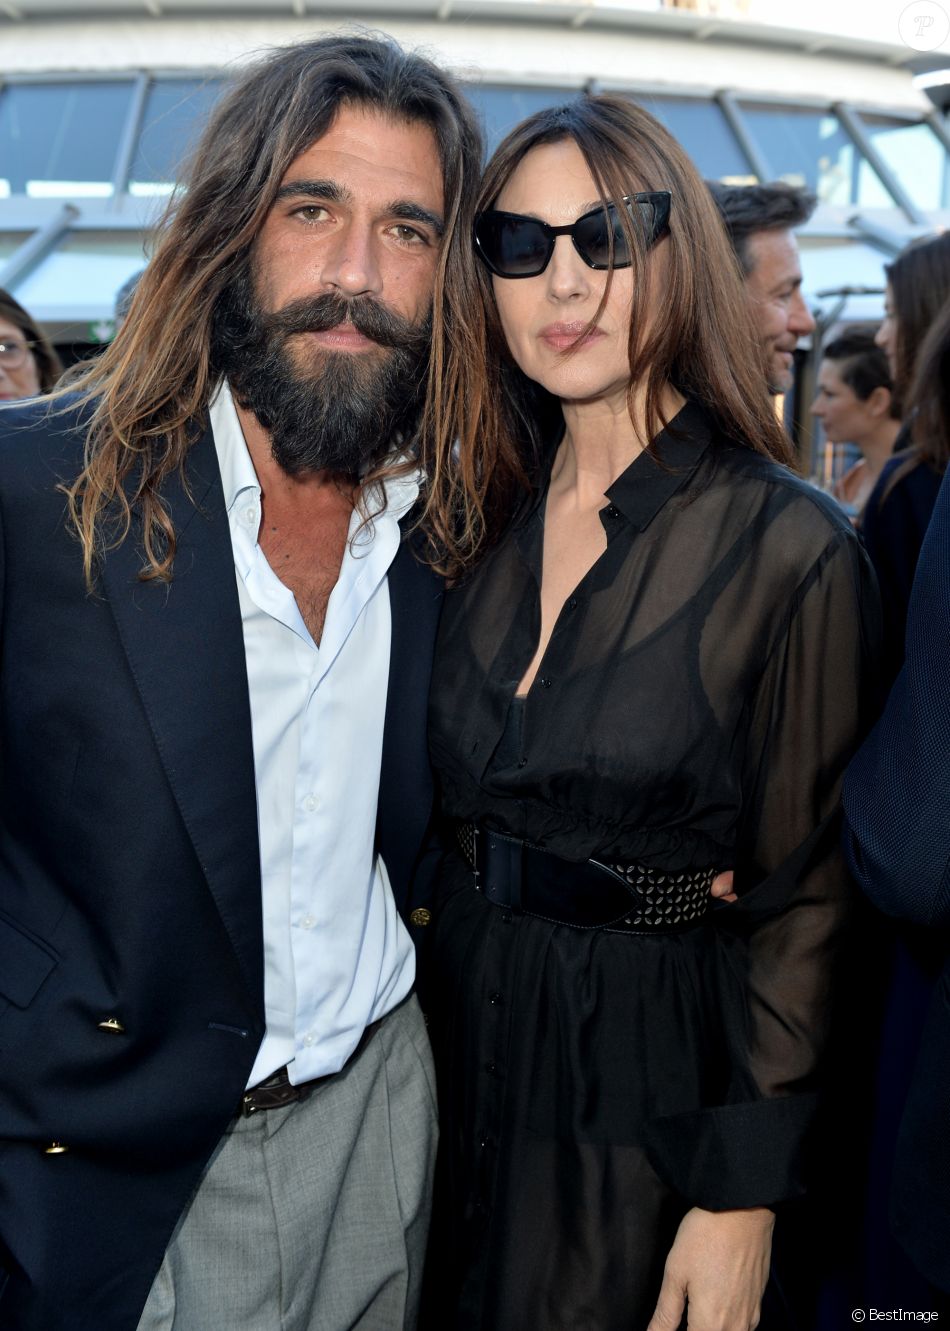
[719, 1263]
[721, 887]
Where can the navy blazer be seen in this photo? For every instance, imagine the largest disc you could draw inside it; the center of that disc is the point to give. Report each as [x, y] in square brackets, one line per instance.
[130, 874]
[897, 804]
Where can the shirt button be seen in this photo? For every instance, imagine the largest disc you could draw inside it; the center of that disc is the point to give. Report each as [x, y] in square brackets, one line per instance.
[611, 511]
[250, 515]
[496, 999]
[522, 762]
[308, 922]
[308, 1039]
[545, 683]
[572, 603]
[310, 803]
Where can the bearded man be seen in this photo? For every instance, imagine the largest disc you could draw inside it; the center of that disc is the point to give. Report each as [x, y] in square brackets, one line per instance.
[217, 1106]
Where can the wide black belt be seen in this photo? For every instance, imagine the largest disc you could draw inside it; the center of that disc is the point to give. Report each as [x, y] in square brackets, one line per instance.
[585, 894]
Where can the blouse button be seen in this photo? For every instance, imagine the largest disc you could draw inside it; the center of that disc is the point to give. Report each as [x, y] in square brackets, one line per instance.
[522, 762]
[612, 511]
[496, 999]
[545, 683]
[572, 603]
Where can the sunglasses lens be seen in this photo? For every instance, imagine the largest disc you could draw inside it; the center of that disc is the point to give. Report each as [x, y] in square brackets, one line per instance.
[513, 246]
[592, 237]
[592, 233]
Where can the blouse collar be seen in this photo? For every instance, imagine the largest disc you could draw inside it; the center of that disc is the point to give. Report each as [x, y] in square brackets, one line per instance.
[654, 477]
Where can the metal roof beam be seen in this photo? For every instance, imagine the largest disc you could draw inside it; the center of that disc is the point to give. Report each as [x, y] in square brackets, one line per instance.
[37, 246]
[129, 141]
[862, 141]
[939, 126]
[881, 237]
[728, 105]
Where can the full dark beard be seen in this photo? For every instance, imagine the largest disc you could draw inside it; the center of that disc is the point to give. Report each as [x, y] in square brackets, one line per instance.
[333, 411]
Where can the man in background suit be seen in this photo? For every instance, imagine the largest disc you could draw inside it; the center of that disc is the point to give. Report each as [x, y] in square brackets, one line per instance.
[216, 1109]
[760, 222]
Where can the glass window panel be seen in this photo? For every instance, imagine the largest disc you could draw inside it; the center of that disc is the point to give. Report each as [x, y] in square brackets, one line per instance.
[77, 281]
[500, 109]
[702, 130]
[174, 116]
[61, 139]
[915, 155]
[809, 146]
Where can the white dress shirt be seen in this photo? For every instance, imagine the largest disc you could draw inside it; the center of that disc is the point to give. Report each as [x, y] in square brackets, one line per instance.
[336, 954]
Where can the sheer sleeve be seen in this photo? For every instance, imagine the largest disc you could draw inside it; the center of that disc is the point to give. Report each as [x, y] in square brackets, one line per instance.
[806, 718]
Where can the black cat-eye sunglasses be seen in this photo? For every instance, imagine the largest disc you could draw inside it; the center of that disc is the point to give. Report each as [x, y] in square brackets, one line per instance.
[511, 245]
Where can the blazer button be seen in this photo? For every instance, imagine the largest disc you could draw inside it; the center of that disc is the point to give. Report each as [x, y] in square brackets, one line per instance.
[55, 1148]
[111, 1024]
[420, 916]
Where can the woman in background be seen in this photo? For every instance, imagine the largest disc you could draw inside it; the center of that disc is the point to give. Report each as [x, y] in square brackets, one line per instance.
[28, 363]
[899, 846]
[898, 511]
[655, 671]
[855, 404]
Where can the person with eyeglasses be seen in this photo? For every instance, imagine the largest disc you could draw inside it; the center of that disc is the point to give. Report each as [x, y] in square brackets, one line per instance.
[657, 672]
[28, 364]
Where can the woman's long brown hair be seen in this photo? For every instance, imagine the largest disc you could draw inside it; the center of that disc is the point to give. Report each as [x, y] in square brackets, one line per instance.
[929, 399]
[919, 279]
[147, 394]
[700, 337]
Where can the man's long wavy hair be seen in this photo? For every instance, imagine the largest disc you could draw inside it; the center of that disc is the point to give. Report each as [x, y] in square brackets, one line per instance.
[147, 395]
[698, 337]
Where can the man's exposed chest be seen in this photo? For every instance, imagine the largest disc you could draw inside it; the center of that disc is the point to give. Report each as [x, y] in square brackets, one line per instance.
[305, 550]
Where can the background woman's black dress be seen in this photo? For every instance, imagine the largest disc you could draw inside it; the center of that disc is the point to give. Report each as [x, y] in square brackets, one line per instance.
[696, 706]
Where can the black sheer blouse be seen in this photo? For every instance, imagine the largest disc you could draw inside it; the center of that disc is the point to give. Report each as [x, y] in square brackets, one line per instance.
[701, 694]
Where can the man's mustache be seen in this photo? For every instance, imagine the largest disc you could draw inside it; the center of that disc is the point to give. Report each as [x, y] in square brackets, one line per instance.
[317, 314]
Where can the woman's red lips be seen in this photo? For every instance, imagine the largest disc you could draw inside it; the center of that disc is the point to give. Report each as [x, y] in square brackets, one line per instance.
[561, 336]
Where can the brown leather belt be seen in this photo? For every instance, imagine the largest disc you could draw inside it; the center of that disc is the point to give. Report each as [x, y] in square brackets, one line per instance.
[277, 1090]
[584, 894]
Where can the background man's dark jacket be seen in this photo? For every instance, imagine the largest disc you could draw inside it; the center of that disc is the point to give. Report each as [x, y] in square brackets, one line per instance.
[897, 803]
[130, 875]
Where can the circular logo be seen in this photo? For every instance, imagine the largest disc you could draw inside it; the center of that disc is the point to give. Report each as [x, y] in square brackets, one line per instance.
[923, 25]
[858, 1315]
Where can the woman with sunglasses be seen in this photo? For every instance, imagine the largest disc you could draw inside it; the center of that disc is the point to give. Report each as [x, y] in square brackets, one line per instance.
[654, 673]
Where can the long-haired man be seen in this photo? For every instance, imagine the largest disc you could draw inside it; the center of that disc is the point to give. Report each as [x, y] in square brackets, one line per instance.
[216, 1108]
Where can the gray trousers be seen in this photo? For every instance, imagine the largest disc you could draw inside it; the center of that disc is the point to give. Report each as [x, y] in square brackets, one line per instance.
[314, 1217]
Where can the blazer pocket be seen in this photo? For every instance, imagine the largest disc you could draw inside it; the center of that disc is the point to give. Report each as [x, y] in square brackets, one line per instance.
[25, 962]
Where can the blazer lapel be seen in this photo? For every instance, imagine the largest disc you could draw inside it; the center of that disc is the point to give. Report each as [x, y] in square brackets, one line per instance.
[405, 796]
[185, 647]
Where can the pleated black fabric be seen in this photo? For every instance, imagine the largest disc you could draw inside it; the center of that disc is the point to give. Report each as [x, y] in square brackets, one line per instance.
[698, 701]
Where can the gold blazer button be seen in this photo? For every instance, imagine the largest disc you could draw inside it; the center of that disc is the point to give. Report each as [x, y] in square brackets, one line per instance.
[55, 1148]
[111, 1024]
[420, 916]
